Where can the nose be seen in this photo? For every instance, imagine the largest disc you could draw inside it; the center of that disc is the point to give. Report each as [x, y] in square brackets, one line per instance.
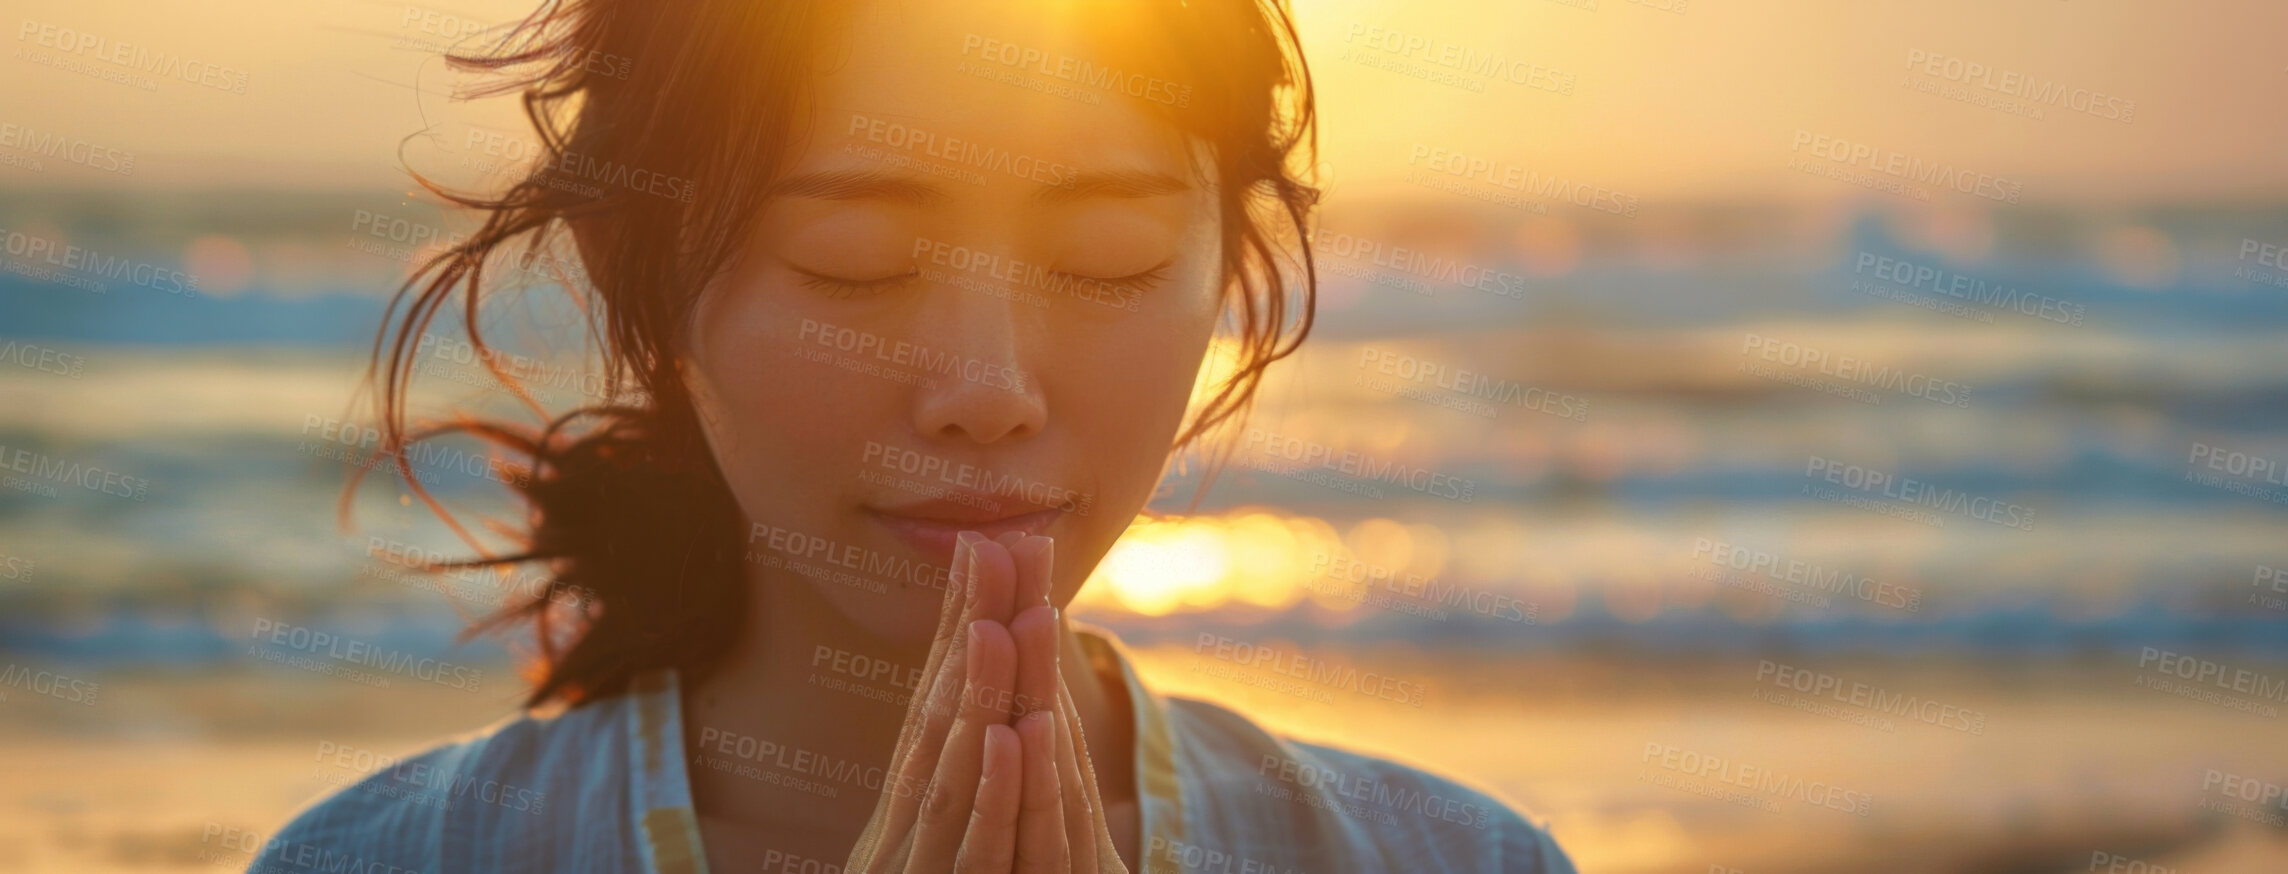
[977, 389]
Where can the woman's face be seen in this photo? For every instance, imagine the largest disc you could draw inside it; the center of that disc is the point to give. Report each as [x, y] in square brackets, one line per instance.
[978, 299]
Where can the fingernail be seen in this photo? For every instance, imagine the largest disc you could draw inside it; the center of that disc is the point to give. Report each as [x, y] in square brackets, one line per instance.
[969, 581]
[1047, 557]
[992, 762]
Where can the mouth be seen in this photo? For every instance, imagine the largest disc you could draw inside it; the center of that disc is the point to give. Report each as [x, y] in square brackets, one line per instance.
[930, 527]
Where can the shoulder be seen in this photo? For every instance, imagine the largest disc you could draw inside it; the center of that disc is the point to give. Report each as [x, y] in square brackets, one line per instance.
[500, 799]
[1371, 813]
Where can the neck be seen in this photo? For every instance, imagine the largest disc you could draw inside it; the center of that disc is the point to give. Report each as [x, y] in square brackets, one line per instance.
[805, 711]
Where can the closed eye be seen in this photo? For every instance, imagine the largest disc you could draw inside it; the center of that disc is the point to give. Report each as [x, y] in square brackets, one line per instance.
[1149, 276]
[841, 288]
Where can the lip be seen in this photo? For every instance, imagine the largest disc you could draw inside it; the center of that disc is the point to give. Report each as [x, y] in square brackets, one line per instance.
[930, 527]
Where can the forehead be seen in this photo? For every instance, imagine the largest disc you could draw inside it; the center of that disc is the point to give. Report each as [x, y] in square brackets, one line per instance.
[956, 88]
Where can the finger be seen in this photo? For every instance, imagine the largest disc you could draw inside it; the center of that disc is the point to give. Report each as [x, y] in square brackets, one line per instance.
[945, 652]
[1042, 845]
[914, 760]
[953, 789]
[989, 578]
[996, 573]
[1107, 856]
[1036, 563]
[955, 603]
[992, 576]
[991, 841]
[1038, 678]
[1079, 795]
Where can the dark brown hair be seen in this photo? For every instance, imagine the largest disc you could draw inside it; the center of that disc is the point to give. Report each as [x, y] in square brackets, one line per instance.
[627, 511]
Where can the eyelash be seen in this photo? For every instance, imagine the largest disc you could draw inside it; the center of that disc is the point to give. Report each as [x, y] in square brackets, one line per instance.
[841, 289]
[844, 289]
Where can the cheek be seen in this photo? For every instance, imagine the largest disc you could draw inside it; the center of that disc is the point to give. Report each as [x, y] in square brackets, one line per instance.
[1121, 395]
[770, 417]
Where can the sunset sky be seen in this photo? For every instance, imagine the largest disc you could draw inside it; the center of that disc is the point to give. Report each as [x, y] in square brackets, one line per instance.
[1701, 103]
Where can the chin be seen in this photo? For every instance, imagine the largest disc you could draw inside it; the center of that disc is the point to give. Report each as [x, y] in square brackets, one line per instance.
[904, 615]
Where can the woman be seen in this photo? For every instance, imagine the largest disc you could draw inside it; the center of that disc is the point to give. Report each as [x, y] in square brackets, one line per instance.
[915, 295]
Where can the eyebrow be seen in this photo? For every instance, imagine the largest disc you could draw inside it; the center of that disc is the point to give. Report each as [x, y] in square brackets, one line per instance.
[878, 185]
[1117, 183]
[857, 185]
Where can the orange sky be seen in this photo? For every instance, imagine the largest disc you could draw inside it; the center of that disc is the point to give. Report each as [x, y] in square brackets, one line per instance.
[1702, 102]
